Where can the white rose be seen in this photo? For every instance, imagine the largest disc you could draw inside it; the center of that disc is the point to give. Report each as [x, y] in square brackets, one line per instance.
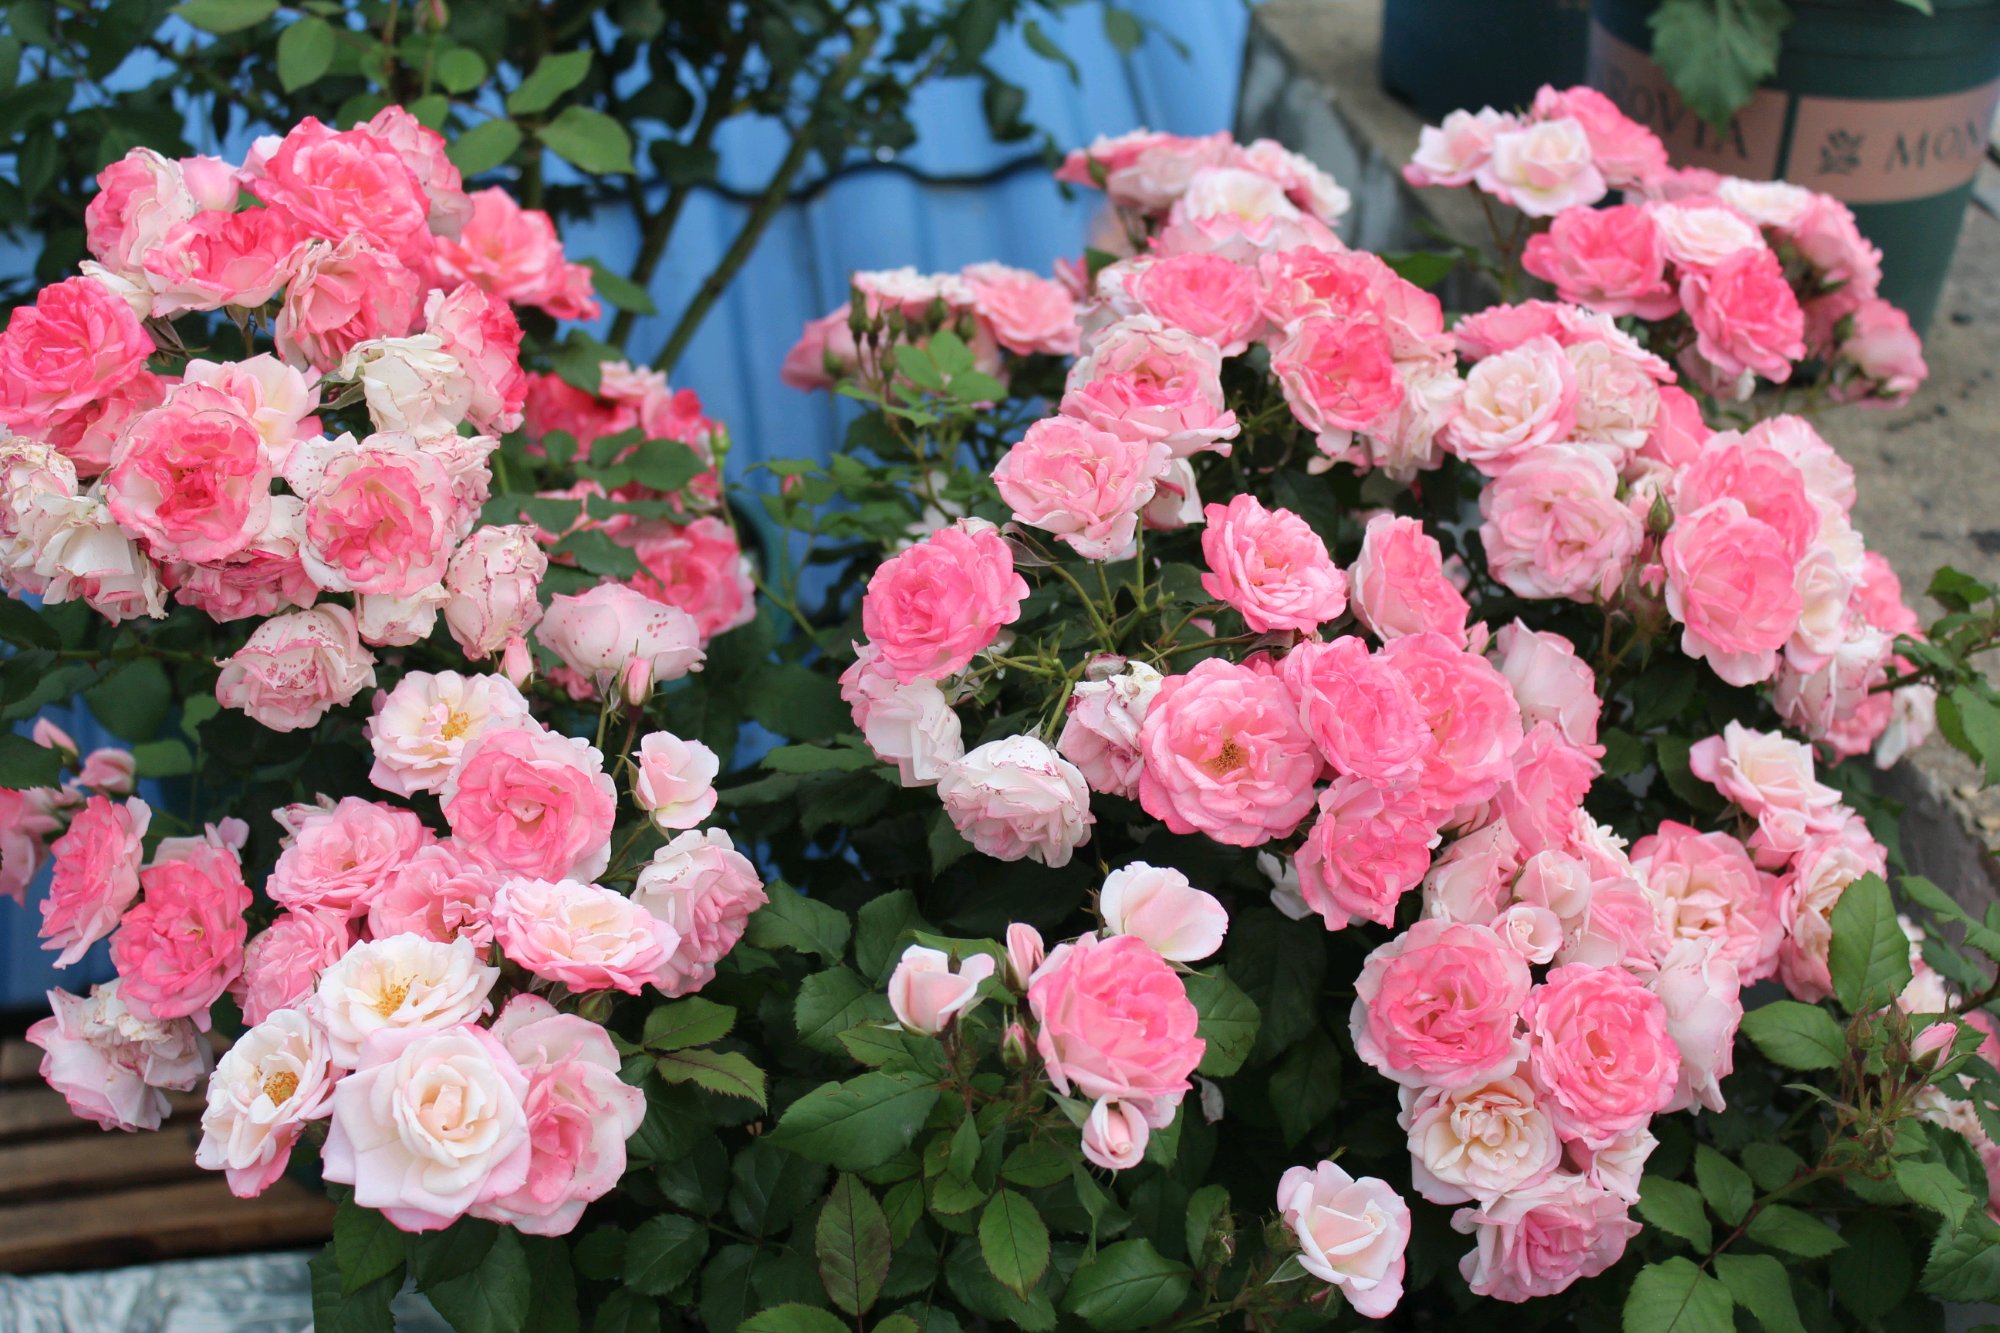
[404, 981]
[421, 728]
[277, 1076]
[411, 384]
[1479, 1142]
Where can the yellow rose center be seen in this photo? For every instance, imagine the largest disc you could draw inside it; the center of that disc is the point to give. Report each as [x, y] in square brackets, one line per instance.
[280, 1086]
[391, 998]
[455, 725]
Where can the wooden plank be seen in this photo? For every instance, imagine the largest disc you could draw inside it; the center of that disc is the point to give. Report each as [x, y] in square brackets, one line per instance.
[158, 1222]
[96, 1162]
[19, 1062]
[41, 1112]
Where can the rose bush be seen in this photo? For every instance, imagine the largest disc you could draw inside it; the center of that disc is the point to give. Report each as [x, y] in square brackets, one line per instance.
[1284, 807]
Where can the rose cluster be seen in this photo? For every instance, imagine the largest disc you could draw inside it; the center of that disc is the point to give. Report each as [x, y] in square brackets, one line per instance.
[1750, 277]
[373, 998]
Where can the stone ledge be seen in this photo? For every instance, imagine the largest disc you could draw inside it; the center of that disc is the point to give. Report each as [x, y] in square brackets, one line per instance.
[1929, 473]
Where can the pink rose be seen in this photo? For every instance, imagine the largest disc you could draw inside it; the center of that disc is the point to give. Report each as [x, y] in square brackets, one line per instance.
[1515, 401]
[349, 183]
[705, 890]
[1101, 733]
[1533, 932]
[1338, 375]
[1886, 354]
[930, 609]
[182, 946]
[1270, 566]
[1808, 894]
[1355, 285]
[1478, 1142]
[1358, 709]
[1112, 1020]
[1398, 582]
[911, 726]
[1701, 233]
[491, 584]
[1769, 485]
[340, 858]
[1554, 526]
[1083, 485]
[1146, 380]
[675, 781]
[825, 351]
[1730, 584]
[423, 152]
[583, 935]
[1180, 922]
[139, 199]
[512, 253]
[614, 633]
[217, 259]
[283, 962]
[1024, 954]
[1115, 1135]
[1213, 298]
[429, 1125]
[1225, 755]
[1441, 1004]
[84, 555]
[1609, 259]
[481, 334]
[1016, 798]
[1364, 852]
[381, 514]
[579, 1115]
[1678, 432]
[1542, 168]
[266, 1087]
[1624, 150]
[700, 568]
[191, 478]
[1537, 1241]
[927, 995]
[1621, 926]
[421, 728]
[1704, 1005]
[1770, 776]
[261, 580]
[340, 295]
[1550, 682]
[1746, 317]
[1598, 1045]
[1714, 892]
[96, 875]
[1351, 1233]
[440, 893]
[69, 350]
[1454, 152]
[534, 803]
[1028, 314]
[110, 1064]
[1539, 801]
[1475, 724]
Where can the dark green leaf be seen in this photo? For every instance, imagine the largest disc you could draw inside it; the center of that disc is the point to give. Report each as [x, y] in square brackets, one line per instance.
[225, 16]
[627, 1311]
[858, 1124]
[663, 1253]
[1716, 52]
[1305, 1086]
[791, 920]
[851, 1242]
[1014, 1242]
[620, 290]
[818, 759]
[1978, 721]
[1677, 1297]
[552, 76]
[132, 701]
[1933, 1185]
[1127, 1285]
[1228, 1022]
[1870, 956]
[1206, 1207]
[1760, 1284]
[726, 1073]
[791, 1317]
[336, 1310]
[305, 52]
[1782, 1227]
[1724, 1184]
[678, 1024]
[1795, 1035]
[24, 764]
[589, 140]
[1675, 1209]
[1964, 1265]
[880, 930]
[833, 1001]
[492, 1298]
[1874, 1271]
[368, 1246]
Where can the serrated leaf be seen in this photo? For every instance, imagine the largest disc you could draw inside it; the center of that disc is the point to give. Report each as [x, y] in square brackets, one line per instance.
[790, 920]
[589, 140]
[693, 1021]
[1228, 1022]
[1716, 52]
[1037, 1163]
[552, 76]
[664, 1252]
[1941, 904]
[880, 929]
[365, 1310]
[1761, 1285]
[1724, 1184]
[1014, 1242]
[1870, 956]
[832, 1002]
[1676, 1209]
[1127, 1285]
[492, 1297]
[1677, 1297]
[1874, 1272]
[792, 1317]
[24, 764]
[1782, 1227]
[727, 1073]
[367, 1245]
[852, 1244]
[1204, 1208]
[484, 146]
[1935, 1186]
[1964, 1265]
[858, 1124]
[1795, 1035]
[1978, 721]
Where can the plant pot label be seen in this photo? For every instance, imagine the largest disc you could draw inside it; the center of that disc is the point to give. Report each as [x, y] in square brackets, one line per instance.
[1860, 151]
[1750, 145]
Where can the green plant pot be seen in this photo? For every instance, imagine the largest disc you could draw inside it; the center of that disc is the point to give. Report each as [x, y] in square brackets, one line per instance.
[1873, 103]
[1439, 55]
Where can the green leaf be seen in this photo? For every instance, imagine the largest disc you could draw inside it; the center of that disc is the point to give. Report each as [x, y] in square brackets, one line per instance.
[694, 1021]
[1205, 1208]
[24, 764]
[879, 932]
[1781, 1227]
[1941, 905]
[1014, 1241]
[1675, 1209]
[1935, 1186]
[727, 1073]
[368, 1246]
[1424, 268]
[1305, 1086]
[791, 1317]
[620, 290]
[1795, 1035]
[132, 701]
[963, 1153]
[791, 920]
[225, 16]
[664, 1252]
[305, 52]
[818, 759]
[1677, 1297]
[1037, 1163]
[1672, 753]
[484, 146]
[1228, 1022]
[552, 76]
[461, 69]
[552, 1306]
[1716, 52]
[797, 702]
[492, 1297]
[335, 1310]
[1760, 1284]
[1122, 30]
[1127, 1285]
[1956, 590]
[589, 140]
[1770, 1164]
[833, 1001]
[21, 624]
[1724, 1184]
[851, 1242]
[438, 1256]
[858, 1124]
[160, 759]
[1978, 721]
[1874, 1273]
[1870, 956]
[1964, 1265]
